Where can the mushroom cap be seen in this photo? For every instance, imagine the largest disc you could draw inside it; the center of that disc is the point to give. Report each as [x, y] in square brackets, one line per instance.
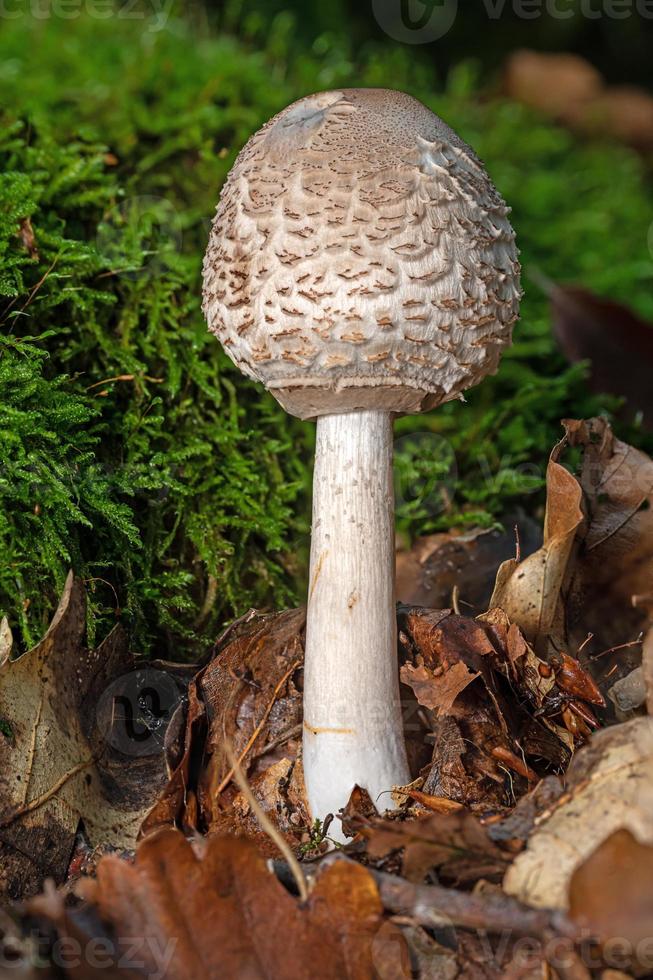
[360, 257]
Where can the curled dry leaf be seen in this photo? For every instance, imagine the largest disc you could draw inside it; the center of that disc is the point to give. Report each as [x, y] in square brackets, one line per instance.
[6, 640]
[594, 572]
[72, 747]
[608, 591]
[528, 591]
[217, 911]
[609, 787]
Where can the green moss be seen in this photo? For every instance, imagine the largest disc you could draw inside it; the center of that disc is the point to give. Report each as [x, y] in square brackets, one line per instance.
[180, 491]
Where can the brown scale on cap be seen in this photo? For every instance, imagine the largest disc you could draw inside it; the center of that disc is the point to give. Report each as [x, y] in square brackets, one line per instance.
[361, 257]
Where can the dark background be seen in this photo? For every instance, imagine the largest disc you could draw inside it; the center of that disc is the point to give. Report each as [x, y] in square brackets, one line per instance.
[621, 47]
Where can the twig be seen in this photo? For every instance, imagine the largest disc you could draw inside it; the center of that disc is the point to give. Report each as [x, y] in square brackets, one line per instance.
[433, 906]
[106, 381]
[209, 600]
[44, 797]
[621, 646]
[455, 595]
[266, 823]
[257, 731]
[276, 742]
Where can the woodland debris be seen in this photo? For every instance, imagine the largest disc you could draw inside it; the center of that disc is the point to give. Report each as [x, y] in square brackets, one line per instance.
[435, 565]
[499, 714]
[589, 586]
[73, 747]
[220, 912]
[528, 591]
[249, 693]
[609, 787]
[647, 670]
[628, 694]
[455, 844]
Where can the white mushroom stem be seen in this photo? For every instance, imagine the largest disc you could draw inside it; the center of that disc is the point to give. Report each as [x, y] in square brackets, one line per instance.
[352, 713]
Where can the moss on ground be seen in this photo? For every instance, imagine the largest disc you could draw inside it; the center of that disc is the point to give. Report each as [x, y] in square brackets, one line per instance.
[131, 448]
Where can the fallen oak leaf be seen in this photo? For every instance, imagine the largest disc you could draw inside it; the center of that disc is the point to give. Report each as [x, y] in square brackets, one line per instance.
[222, 913]
[437, 691]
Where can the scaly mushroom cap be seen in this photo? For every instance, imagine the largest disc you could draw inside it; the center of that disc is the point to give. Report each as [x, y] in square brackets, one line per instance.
[361, 257]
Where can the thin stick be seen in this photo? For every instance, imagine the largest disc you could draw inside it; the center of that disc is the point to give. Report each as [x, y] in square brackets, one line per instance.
[266, 823]
[455, 595]
[621, 646]
[257, 731]
[433, 905]
[106, 381]
[44, 797]
[276, 742]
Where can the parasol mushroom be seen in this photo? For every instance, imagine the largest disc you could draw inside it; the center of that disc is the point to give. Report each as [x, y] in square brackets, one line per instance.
[361, 265]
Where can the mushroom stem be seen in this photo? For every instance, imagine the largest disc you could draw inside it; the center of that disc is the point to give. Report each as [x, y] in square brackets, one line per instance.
[352, 713]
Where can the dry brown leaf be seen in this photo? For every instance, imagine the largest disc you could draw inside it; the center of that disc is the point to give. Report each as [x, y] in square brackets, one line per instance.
[454, 843]
[222, 913]
[609, 592]
[609, 787]
[6, 640]
[249, 694]
[610, 893]
[594, 573]
[68, 758]
[529, 591]
[437, 691]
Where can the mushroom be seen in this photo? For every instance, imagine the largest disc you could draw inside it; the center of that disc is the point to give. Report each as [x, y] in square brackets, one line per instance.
[360, 265]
